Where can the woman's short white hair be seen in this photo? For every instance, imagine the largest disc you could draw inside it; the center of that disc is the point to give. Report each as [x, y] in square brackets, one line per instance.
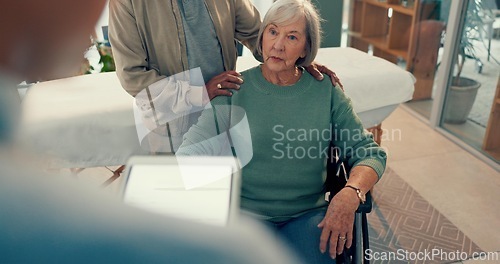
[284, 12]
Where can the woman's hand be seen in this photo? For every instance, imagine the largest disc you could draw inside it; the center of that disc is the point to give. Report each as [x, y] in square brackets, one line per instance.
[338, 222]
[220, 84]
[316, 70]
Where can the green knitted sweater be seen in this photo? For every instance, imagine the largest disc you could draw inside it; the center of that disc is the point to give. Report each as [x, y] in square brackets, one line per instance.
[290, 128]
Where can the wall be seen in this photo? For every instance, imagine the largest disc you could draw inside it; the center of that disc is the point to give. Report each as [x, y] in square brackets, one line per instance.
[331, 12]
[103, 21]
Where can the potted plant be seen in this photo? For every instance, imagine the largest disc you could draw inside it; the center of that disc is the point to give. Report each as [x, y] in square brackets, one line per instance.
[106, 60]
[463, 90]
[106, 57]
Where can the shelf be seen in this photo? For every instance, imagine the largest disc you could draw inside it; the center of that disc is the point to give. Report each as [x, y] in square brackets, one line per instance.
[396, 8]
[402, 10]
[400, 27]
[381, 43]
[397, 37]
[377, 3]
[375, 22]
[403, 53]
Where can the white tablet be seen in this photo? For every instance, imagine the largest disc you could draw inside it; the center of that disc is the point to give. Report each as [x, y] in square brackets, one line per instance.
[204, 189]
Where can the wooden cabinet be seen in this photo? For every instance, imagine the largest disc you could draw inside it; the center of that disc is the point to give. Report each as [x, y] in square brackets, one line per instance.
[394, 31]
[491, 143]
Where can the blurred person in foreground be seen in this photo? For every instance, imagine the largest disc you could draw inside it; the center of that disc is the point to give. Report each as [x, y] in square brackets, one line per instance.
[291, 118]
[47, 219]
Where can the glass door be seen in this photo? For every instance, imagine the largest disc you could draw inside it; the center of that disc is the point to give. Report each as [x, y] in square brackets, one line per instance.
[470, 103]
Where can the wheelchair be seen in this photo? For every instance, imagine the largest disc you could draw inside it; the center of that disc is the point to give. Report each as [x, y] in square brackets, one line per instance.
[337, 175]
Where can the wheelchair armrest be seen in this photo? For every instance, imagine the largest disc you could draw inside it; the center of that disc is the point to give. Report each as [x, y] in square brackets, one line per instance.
[367, 206]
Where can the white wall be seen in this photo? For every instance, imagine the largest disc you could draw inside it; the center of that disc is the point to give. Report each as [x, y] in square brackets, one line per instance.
[103, 21]
[262, 6]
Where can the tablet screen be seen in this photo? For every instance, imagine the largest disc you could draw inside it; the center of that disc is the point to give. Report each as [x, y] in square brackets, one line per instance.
[195, 192]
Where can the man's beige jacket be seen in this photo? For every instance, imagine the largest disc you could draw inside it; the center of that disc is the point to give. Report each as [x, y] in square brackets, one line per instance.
[149, 48]
[148, 42]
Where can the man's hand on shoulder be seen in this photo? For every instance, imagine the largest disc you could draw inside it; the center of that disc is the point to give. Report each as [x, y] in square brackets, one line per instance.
[222, 83]
[317, 70]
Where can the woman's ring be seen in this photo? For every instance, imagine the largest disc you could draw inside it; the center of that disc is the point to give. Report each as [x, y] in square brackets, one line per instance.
[219, 86]
[342, 238]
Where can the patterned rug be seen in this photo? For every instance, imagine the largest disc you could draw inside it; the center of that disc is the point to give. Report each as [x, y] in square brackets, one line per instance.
[405, 228]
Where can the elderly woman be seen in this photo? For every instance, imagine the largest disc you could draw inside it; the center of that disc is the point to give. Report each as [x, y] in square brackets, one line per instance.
[289, 113]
